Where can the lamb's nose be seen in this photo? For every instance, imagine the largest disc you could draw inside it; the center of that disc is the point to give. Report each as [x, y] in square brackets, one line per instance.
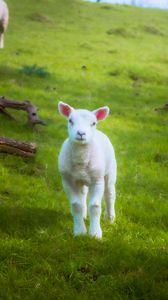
[81, 133]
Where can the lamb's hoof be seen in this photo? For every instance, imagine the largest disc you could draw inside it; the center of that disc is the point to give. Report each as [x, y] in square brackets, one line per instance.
[109, 218]
[96, 233]
[80, 231]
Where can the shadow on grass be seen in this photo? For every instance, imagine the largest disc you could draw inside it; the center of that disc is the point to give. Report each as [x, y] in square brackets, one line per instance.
[27, 222]
[30, 75]
[7, 73]
[82, 265]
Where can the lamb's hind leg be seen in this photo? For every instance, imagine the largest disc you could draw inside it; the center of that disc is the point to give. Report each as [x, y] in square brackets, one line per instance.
[77, 198]
[110, 196]
[84, 201]
[1, 41]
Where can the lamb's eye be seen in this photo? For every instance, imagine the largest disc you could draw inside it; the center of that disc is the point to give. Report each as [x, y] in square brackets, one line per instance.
[93, 124]
[71, 122]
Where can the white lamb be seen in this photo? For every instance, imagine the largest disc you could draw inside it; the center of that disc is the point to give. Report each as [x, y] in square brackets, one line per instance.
[4, 17]
[87, 163]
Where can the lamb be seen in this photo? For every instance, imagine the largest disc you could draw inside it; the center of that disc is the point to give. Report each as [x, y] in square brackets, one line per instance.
[87, 165]
[4, 17]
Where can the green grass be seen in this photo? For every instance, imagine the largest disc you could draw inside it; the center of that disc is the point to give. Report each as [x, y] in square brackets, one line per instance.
[95, 54]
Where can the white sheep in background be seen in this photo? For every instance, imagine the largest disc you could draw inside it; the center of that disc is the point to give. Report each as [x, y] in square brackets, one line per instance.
[4, 17]
[87, 163]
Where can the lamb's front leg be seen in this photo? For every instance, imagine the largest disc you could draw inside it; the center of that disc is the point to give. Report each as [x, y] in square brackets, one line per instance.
[96, 192]
[77, 197]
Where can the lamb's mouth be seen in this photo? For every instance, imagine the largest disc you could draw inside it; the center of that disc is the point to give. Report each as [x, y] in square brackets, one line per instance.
[80, 139]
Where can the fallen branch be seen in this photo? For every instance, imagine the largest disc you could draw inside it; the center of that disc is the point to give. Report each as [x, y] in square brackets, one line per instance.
[23, 149]
[27, 106]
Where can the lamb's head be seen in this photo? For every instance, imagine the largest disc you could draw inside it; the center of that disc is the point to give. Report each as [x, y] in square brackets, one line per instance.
[82, 122]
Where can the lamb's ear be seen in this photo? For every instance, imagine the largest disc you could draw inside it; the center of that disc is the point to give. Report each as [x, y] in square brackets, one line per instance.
[64, 109]
[101, 113]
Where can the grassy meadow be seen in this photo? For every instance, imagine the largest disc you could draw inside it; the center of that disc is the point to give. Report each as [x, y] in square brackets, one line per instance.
[88, 55]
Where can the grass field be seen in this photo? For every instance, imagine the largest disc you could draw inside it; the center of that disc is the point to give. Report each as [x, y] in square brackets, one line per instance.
[88, 55]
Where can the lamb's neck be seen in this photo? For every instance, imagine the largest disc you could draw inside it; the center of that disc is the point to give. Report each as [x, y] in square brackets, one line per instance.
[80, 154]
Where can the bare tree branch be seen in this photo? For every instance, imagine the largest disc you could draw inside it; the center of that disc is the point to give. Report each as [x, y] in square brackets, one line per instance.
[27, 106]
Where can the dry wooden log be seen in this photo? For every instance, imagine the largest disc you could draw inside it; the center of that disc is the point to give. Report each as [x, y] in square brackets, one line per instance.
[15, 147]
[27, 106]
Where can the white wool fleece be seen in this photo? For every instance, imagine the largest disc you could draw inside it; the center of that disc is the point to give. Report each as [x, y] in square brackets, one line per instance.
[87, 164]
[4, 17]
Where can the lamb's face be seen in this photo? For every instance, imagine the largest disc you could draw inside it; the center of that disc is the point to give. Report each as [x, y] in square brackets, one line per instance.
[81, 126]
[81, 122]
